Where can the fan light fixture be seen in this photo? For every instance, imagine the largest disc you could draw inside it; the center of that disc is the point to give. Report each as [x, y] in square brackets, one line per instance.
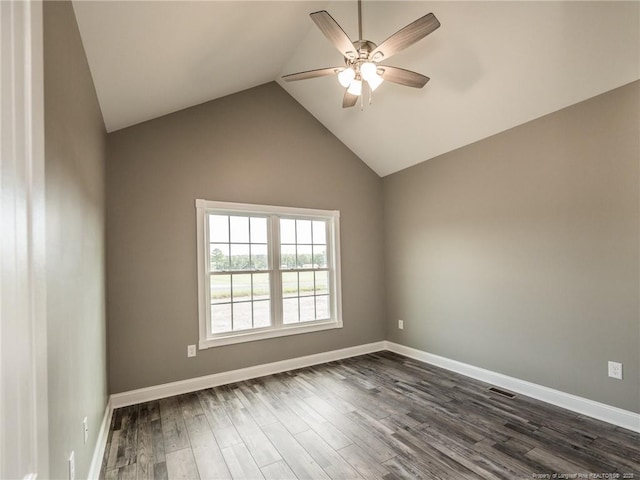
[355, 88]
[364, 71]
[374, 81]
[346, 76]
[362, 56]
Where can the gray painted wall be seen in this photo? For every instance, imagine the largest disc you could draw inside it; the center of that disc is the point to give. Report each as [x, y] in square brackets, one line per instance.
[75, 151]
[519, 253]
[257, 146]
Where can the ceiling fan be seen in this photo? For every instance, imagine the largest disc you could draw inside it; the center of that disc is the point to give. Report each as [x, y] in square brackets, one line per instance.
[362, 57]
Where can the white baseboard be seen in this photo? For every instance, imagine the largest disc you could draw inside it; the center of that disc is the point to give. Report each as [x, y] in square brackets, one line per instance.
[101, 443]
[584, 406]
[199, 383]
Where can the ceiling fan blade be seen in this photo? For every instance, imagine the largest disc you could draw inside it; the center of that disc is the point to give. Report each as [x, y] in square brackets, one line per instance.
[406, 37]
[334, 33]
[349, 100]
[402, 76]
[321, 72]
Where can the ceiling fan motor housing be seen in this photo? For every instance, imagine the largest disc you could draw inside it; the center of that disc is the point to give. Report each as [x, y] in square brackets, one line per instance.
[364, 48]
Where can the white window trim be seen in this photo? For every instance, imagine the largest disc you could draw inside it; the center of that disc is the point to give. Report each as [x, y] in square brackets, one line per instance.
[206, 340]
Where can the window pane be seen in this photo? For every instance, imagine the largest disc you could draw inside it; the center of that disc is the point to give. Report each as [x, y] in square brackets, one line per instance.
[258, 230]
[288, 256]
[241, 287]
[290, 310]
[218, 228]
[261, 314]
[307, 309]
[259, 257]
[219, 256]
[322, 307]
[319, 256]
[221, 318]
[289, 284]
[322, 283]
[239, 229]
[319, 232]
[304, 256]
[306, 283]
[303, 231]
[220, 288]
[287, 231]
[261, 286]
[241, 316]
[240, 257]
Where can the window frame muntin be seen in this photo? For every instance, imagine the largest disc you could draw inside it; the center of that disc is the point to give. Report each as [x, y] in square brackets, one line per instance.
[273, 213]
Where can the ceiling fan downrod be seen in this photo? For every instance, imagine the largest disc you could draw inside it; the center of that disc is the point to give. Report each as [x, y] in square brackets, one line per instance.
[360, 20]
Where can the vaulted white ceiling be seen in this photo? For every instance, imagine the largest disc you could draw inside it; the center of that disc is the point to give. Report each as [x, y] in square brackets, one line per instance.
[493, 65]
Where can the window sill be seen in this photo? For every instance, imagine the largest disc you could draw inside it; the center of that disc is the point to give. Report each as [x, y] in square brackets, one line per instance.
[250, 336]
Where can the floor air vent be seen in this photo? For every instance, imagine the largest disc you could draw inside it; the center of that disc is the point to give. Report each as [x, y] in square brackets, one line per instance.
[502, 392]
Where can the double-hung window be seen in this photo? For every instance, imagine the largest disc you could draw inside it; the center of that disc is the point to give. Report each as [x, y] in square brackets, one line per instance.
[266, 271]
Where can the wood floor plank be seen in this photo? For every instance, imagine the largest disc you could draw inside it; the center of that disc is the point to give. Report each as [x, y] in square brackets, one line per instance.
[278, 471]
[261, 448]
[367, 466]
[403, 467]
[144, 455]
[113, 451]
[240, 463]
[432, 459]
[300, 462]
[174, 430]
[160, 471]
[128, 472]
[551, 462]
[520, 463]
[330, 461]
[352, 430]
[247, 395]
[189, 405]
[157, 441]
[213, 409]
[206, 452]
[111, 474]
[181, 465]
[127, 445]
[149, 411]
[316, 422]
[463, 453]
[227, 437]
[282, 412]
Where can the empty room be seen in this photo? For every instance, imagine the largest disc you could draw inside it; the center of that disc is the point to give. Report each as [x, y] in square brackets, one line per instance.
[320, 239]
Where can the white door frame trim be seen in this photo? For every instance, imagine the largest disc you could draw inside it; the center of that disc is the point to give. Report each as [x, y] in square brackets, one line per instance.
[23, 364]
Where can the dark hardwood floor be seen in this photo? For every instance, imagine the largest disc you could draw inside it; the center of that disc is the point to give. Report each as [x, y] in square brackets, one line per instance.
[374, 416]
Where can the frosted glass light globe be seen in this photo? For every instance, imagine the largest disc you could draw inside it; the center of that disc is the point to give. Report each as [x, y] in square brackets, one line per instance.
[368, 70]
[346, 76]
[374, 81]
[355, 88]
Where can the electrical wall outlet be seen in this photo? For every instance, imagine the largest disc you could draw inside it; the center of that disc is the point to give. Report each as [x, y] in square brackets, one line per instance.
[401, 324]
[191, 350]
[615, 370]
[85, 428]
[72, 466]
